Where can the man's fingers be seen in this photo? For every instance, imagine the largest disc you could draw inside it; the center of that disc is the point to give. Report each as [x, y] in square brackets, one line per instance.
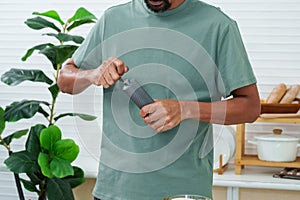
[157, 124]
[103, 82]
[108, 78]
[113, 73]
[145, 111]
[126, 69]
[108, 72]
[153, 117]
[162, 115]
[120, 66]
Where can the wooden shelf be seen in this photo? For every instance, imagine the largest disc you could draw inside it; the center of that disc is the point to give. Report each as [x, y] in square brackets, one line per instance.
[280, 120]
[241, 159]
[254, 161]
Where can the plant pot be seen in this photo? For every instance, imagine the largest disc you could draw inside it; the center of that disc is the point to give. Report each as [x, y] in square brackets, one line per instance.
[276, 147]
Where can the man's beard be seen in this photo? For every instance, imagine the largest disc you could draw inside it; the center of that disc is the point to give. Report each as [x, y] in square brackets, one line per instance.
[158, 5]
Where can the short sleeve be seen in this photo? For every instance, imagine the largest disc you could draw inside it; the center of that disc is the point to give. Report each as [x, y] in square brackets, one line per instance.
[232, 61]
[89, 54]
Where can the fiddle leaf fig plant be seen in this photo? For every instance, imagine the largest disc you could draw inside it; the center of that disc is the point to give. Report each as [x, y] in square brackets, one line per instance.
[46, 158]
[57, 154]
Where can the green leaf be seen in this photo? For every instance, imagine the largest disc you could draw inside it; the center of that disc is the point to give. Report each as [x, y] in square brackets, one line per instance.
[2, 120]
[16, 76]
[63, 37]
[35, 177]
[58, 189]
[38, 23]
[21, 162]
[49, 136]
[22, 110]
[82, 116]
[66, 149]
[15, 135]
[61, 168]
[44, 163]
[33, 141]
[79, 23]
[54, 89]
[77, 178]
[28, 185]
[52, 14]
[59, 54]
[38, 47]
[81, 14]
[43, 112]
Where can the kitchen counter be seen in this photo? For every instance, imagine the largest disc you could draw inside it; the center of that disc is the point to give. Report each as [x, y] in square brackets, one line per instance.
[253, 177]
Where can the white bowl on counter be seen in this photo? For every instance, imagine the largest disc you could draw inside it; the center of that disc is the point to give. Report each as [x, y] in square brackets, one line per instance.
[188, 197]
[276, 147]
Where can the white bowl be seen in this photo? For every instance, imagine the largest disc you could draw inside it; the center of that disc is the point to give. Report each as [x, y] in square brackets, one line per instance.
[189, 197]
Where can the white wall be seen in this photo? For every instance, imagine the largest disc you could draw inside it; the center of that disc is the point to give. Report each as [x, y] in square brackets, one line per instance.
[271, 32]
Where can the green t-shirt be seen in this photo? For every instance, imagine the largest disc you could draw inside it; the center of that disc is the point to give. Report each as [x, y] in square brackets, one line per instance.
[193, 52]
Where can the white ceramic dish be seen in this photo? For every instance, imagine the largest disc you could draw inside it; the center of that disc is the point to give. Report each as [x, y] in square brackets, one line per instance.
[221, 147]
[224, 143]
[228, 133]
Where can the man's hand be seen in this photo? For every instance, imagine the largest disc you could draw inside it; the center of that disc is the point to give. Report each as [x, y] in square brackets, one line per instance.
[72, 80]
[162, 115]
[108, 72]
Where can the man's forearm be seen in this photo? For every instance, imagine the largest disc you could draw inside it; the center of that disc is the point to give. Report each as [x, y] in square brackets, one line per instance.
[165, 114]
[232, 111]
[73, 80]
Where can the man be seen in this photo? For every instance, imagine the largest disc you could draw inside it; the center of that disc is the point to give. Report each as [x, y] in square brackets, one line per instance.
[187, 55]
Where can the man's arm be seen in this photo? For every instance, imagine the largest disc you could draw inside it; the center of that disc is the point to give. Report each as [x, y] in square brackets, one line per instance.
[166, 114]
[73, 80]
[242, 108]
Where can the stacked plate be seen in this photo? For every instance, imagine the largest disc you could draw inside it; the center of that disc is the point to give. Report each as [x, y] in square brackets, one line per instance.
[224, 143]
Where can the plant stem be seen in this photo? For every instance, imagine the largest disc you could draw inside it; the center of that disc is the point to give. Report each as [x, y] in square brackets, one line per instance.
[42, 195]
[57, 71]
[52, 111]
[16, 176]
[65, 27]
[56, 78]
[54, 99]
[5, 145]
[18, 183]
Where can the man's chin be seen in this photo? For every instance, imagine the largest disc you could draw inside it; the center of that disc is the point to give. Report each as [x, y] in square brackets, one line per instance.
[157, 6]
